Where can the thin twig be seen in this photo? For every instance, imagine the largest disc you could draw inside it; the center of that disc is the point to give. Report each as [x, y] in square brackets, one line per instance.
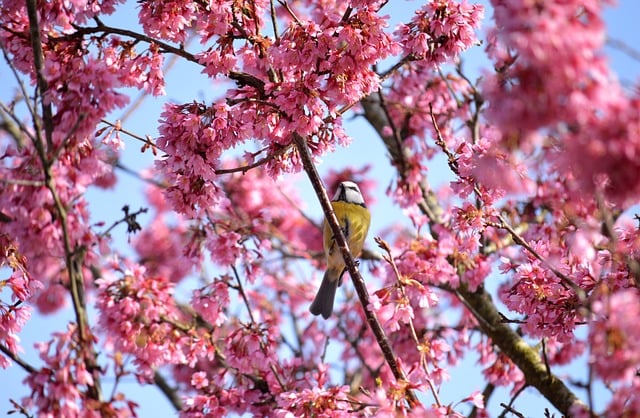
[118, 128]
[21, 182]
[453, 165]
[353, 343]
[137, 175]
[286, 6]
[447, 83]
[243, 169]
[254, 324]
[400, 284]
[395, 67]
[511, 402]
[240, 289]
[274, 21]
[508, 408]
[127, 219]
[396, 135]
[623, 47]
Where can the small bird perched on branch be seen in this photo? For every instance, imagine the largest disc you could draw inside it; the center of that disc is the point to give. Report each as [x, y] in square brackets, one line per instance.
[354, 219]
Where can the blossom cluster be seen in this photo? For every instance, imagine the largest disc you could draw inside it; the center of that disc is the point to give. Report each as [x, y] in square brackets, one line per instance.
[552, 75]
[214, 292]
[59, 387]
[13, 312]
[440, 31]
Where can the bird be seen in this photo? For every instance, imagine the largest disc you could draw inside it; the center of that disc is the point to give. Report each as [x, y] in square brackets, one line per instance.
[354, 219]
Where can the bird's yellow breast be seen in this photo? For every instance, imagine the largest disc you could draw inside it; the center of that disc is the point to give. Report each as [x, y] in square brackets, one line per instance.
[354, 221]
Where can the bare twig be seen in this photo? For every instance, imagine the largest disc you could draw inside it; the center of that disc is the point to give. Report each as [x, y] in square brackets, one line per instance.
[399, 157]
[395, 67]
[255, 325]
[624, 48]
[118, 127]
[21, 182]
[274, 21]
[508, 408]
[240, 290]
[243, 169]
[128, 218]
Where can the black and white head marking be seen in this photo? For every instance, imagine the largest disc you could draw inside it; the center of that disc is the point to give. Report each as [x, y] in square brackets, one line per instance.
[349, 192]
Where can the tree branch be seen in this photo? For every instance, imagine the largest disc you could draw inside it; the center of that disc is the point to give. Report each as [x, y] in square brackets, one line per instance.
[376, 114]
[170, 393]
[522, 354]
[16, 359]
[74, 256]
[356, 277]
[38, 63]
[480, 303]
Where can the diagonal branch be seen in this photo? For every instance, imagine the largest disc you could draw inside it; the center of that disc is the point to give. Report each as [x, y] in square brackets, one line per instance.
[20, 362]
[169, 392]
[522, 354]
[356, 277]
[480, 303]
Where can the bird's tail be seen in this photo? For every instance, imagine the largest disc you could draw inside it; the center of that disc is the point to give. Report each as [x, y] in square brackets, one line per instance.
[323, 302]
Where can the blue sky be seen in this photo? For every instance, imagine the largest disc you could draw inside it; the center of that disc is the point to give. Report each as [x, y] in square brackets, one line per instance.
[183, 85]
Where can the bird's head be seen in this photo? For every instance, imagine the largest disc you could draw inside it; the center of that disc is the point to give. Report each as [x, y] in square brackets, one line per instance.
[349, 192]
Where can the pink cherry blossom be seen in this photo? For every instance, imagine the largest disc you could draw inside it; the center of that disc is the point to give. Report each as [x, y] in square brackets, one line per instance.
[504, 199]
[613, 337]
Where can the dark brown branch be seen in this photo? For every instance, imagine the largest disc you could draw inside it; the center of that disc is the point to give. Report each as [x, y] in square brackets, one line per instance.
[508, 408]
[170, 393]
[395, 67]
[38, 63]
[356, 277]
[242, 79]
[102, 28]
[243, 169]
[16, 359]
